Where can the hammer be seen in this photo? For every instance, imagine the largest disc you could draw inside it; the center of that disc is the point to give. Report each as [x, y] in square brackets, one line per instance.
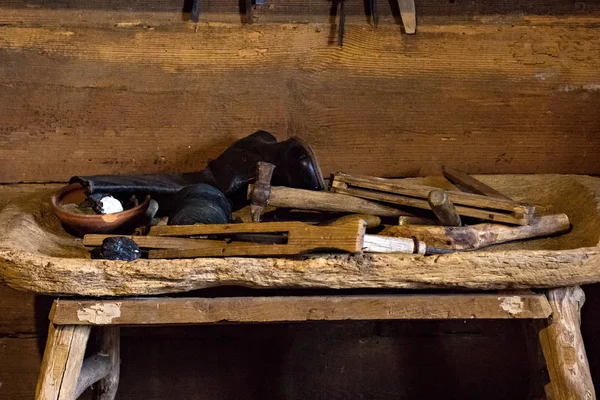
[262, 194]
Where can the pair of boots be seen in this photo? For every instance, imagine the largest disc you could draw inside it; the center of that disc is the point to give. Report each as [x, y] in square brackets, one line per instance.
[295, 166]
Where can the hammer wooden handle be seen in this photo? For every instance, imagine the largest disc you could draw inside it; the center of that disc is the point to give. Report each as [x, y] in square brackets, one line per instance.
[481, 235]
[443, 208]
[301, 199]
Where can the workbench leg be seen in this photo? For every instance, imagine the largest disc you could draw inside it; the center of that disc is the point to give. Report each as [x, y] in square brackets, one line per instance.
[62, 361]
[110, 345]
[563, 347]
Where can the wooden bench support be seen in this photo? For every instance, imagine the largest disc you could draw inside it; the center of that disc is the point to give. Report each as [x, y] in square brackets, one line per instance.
[563, 347]
[62, 362]
[71, 321]
[111, 346]
[154, 311]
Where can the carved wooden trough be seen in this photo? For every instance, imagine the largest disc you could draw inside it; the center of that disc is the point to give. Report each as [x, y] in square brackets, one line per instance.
[36, 254]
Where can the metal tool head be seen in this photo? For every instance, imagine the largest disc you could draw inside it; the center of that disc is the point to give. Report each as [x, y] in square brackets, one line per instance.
[261, 190]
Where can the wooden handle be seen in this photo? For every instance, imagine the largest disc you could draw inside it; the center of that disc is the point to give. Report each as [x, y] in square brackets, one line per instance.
[443, 208]
[390, 244]
[481, 235]
[372, 221]
[467, 183]
[563, 347]
[301, 199]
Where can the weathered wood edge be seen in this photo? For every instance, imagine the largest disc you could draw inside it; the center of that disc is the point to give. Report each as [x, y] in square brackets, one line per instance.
[298, 308]
[563, 347]
[476, 270]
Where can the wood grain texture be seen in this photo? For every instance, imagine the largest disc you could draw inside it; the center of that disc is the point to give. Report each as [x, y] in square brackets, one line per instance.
[301, 238]
[564, 349]
[62, 362]
[293, 308]
[18, 311]
[19, 368]
[285, 197]
[480, 270]
[136, 99]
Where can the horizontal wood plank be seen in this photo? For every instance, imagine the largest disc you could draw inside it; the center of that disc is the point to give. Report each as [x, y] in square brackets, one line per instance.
[310, 308]
[483, 98]
[19, 367]
[23, 313]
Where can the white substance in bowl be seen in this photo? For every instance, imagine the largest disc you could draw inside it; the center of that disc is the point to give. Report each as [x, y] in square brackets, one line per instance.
[110, 205]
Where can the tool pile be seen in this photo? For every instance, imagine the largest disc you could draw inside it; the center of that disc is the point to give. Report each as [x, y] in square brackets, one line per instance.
[419, 219]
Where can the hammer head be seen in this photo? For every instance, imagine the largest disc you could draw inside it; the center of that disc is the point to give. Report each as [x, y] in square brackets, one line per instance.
[261, 190]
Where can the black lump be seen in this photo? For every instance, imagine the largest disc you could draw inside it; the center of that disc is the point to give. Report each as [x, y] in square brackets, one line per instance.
[117, 248]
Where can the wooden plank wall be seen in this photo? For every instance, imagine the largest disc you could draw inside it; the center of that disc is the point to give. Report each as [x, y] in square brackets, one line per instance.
[101, 86]
[90, 91]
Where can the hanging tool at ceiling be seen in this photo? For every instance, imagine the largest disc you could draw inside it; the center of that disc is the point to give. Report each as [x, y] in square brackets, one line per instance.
[409, 16]
[374, 13]
[195, 13]
[342, 23]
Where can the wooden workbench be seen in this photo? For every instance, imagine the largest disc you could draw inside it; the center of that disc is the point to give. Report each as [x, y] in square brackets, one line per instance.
[38, 256]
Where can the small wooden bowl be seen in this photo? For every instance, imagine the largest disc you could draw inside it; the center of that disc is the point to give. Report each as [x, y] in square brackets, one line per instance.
[81, 224]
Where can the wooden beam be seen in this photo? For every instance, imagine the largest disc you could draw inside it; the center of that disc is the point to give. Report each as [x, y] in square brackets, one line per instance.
[110, 337]
[126, 126]
[62, 362]
[563, 347]
[156, 311]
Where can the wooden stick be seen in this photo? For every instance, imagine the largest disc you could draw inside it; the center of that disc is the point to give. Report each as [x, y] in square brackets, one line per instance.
[478, 236]
[443, 208]
[422, 192]
[111, 346]
[412, 195]
[199, 310]
[94, 368]
[417, 221]
[467, 183]
[285, 197]
[563, 347]
[521, 219]
[62, 362]
[372, 221]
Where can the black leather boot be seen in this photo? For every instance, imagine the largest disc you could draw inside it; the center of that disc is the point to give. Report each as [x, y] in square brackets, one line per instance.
[295, 166]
